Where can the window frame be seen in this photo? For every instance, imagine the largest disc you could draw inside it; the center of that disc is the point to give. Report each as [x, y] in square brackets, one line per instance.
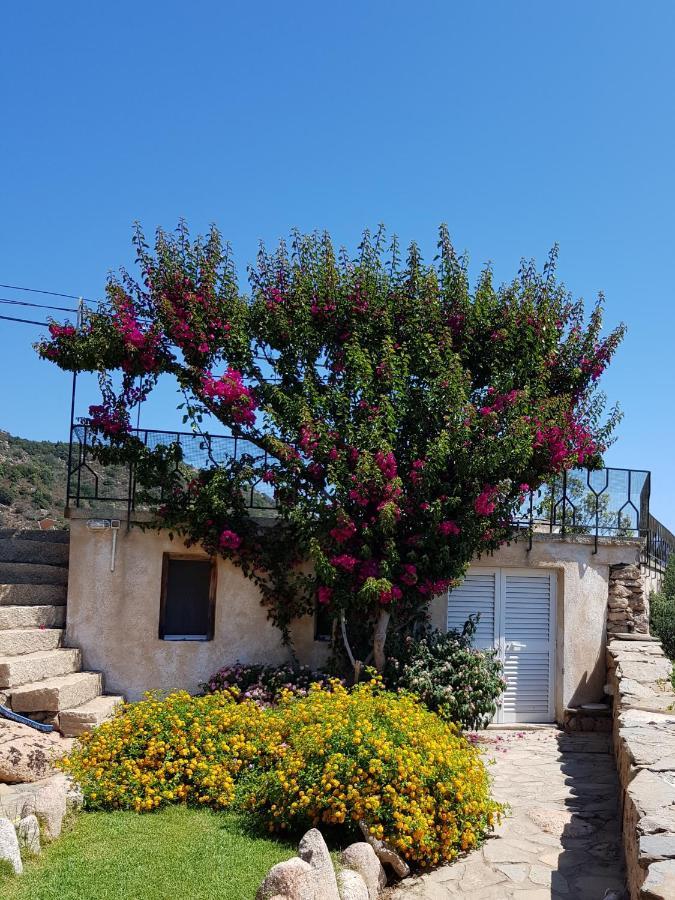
[188, 557]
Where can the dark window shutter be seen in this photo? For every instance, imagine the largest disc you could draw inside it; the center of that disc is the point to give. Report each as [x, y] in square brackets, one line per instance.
[188, 599]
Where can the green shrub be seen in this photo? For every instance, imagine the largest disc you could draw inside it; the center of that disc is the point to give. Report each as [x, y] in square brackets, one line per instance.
[452, 677]
[662, 611]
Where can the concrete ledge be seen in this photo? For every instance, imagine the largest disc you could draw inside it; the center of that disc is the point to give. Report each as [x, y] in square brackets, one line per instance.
[644, 745]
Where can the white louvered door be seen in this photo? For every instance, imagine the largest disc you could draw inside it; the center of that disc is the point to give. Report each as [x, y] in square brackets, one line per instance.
[517, 608]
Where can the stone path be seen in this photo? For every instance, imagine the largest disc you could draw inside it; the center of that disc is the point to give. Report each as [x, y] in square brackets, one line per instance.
[561, 838]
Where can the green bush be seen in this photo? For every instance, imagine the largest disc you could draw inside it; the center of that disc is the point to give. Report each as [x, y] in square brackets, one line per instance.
[662, 611]
[453, 678]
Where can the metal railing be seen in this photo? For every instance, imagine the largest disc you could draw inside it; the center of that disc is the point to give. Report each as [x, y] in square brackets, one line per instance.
[601, 503]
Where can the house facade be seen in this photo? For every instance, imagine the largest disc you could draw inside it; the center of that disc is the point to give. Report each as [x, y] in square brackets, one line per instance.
[543, 606]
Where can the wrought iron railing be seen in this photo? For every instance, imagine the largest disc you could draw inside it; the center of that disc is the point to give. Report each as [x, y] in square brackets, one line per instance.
[601, 503]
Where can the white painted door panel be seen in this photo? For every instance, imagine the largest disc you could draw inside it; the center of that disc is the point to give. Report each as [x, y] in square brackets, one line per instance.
[517, 608]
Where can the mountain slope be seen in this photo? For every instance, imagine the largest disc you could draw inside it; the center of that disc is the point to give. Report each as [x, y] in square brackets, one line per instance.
[32, 480]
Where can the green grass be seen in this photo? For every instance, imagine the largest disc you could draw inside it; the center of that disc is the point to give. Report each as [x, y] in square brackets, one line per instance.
[178, 852]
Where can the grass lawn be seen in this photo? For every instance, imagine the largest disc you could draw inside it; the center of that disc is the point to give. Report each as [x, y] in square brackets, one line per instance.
[176, 853]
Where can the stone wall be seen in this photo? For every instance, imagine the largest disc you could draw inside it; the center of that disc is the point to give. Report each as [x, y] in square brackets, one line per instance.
[627, 609]
[644, 745]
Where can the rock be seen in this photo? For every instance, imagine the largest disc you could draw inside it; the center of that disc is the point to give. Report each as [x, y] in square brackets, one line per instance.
[28, 833]
[361, 858]
[660, 881]
[351, 885]
[27, 754]
[9, 846]
[48, 804]
[385, 853]
[74, 795]
[313, 850]
[293, 879]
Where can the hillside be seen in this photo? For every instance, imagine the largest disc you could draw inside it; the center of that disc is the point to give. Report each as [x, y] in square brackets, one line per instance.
[32, 480]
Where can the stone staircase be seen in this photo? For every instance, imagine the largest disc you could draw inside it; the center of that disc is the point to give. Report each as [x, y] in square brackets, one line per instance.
[39, 677]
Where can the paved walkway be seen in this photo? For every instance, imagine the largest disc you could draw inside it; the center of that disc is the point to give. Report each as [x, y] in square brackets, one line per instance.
[561, 838]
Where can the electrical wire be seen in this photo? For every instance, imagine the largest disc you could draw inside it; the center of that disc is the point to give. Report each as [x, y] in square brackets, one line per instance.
[25, 321]
[14, 287]
[37, 305]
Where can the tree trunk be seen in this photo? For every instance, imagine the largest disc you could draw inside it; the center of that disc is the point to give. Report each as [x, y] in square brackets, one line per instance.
[379, 638]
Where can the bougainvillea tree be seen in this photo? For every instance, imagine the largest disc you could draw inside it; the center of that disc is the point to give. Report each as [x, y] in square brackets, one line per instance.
[403, 414]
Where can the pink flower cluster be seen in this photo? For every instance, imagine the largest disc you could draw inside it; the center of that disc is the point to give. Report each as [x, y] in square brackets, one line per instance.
[572, 442]
[324, 594]
[387, 597]
[386, 463]
[231, 391]
[485, 503]
[144, 346]
[111, 420]
[229, 540]
[448, 527]
[499, 402]
[343, 531]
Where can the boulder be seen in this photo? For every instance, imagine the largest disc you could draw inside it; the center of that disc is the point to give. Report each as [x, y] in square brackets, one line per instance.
[28, 833]
[27, 754]
[48, 804]
[313, 850]
[351, 885]
[361, 858]
[9, 846]
[293, 879]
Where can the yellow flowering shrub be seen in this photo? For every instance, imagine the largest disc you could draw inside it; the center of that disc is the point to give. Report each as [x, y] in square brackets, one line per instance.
[179, 748]
[334, 757]
[371, 755]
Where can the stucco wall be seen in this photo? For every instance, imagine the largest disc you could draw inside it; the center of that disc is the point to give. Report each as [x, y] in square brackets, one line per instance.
[114, 616]
[582, 584]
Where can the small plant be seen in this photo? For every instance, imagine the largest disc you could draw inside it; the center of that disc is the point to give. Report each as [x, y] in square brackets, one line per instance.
[264, 684]
[453, 678]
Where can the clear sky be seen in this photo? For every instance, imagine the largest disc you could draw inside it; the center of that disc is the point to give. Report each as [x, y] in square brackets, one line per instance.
[517, 123]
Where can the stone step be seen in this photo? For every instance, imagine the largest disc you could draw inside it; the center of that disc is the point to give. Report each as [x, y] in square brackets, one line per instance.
[32, 594]
[44, 552]
[75, 721]
[16, 641]
[32, 573]
[32, 617]
[18, 670]
[56, 694]
[50, 536]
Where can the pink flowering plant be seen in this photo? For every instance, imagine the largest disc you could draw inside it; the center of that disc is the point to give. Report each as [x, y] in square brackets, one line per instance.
[406, 413]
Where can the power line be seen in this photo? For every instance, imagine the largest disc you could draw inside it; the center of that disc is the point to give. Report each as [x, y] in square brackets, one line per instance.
[25, 321]
[37, 305]
[14, 287]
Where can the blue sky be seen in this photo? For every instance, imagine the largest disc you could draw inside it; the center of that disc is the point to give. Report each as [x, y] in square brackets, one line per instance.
[517, 123]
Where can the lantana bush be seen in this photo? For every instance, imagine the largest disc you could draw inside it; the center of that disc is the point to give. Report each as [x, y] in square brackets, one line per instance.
[332, 758]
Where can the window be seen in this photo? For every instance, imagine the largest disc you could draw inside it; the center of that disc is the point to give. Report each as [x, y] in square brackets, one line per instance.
[323, 622]
[188, 601]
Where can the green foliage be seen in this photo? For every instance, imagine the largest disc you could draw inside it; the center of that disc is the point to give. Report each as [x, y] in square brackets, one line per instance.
[662, 610]
[453, 678]
[32, 478]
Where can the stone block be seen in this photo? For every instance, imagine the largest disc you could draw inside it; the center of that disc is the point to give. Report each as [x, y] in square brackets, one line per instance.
[55, 694]
[9, 846]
